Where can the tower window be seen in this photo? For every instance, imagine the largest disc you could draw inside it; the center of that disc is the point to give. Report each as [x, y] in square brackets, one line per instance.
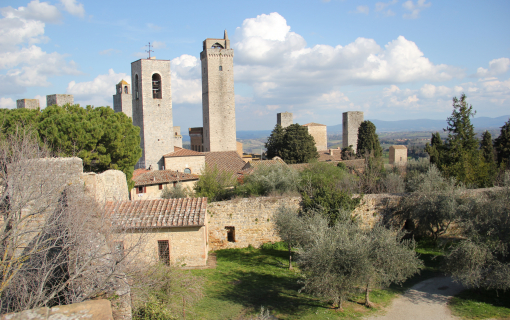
[125, 89]
[120, 89]
[156, 86]
[221, 68]
[136, 86]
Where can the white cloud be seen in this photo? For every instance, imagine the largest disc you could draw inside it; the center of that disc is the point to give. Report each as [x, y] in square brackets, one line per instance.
[414, 9]
[362, 9]
[35, 10]
[73, 7]
[7, 103]
[334, 97]
[186, 80]
[496, 67]
[380, 6]
[431, 91]
[97, 92]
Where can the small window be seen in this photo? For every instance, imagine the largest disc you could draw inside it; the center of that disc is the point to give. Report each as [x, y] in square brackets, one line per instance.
[175, 184]
[140, 190]
[187, 170]
[221, 68]
[160, 186]
[156, 86]
[125, 89]
[120, 89]
[400, 158]
[231, 234]
[118, 250]
[164, 251]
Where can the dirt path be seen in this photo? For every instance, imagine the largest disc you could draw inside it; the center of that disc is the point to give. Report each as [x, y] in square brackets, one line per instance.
[425, 300]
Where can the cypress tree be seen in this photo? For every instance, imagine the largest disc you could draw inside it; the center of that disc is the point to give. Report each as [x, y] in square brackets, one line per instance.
[293, 144]
[502, 144]
[368, 140]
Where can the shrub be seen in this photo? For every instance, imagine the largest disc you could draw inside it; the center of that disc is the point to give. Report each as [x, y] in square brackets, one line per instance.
[271, 179]
[214, 184]
[173, 193]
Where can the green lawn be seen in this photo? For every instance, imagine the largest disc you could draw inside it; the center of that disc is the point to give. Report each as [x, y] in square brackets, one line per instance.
[483, 304]
[246, 279]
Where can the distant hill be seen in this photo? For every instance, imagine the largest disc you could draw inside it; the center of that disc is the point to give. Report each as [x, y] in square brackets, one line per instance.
[481, 123]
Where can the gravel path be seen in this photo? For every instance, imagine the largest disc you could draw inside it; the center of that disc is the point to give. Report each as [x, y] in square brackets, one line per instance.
[425, 300]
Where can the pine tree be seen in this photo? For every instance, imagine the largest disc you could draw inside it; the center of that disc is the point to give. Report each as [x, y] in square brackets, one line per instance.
[368, 140]
[435, 149]
[502, 144]
[293, 144]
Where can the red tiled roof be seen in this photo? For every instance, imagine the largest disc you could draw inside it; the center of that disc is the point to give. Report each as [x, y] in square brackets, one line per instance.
[183, 212]
[181, 152]
[228, 161]
[264, 163]
[138, 172]
[325, 156]
[161, 176]
[313, 124]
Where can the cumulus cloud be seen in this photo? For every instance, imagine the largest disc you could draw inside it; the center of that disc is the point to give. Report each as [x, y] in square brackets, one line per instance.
[7, 103]
[431, 91]
[73, 7]
[414, 9]
[496, 67]
[99, 91]
[362, 9]
[186, 80]
[35, 10]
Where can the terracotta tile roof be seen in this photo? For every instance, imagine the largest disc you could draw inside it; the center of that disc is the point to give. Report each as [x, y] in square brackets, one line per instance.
[228, 161]
[138, 172]
[161, 213]
[181, 152]
[313, 124]
[161, 176]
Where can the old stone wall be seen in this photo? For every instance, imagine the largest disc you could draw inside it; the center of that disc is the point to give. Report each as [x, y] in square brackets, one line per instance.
[284, 119]
[27, 104]
[152, 115]
[351, 121]
[195, 163]
[218, 98]
[252, 219]
[320, 135]
[92, 309]
[110, 185]
[59, 99]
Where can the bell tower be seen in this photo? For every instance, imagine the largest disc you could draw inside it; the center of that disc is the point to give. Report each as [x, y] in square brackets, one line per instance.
[122, 100]
[218, 98]
[152, 110]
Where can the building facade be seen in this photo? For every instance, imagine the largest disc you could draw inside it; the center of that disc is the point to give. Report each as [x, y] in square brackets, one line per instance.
[27, 104]
[319, 132]
[398, 154]
[218, 98]
[351, 121]
[59, 99]
[284, 119]
[123, 99]
[152, 110]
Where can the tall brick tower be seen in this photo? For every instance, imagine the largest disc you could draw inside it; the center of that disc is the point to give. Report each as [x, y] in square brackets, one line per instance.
[152, 110]
[218, 104]
[123, 100]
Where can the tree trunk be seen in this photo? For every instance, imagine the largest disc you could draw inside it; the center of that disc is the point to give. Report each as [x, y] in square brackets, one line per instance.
[290, 257]
[340, 307]
[367, 298]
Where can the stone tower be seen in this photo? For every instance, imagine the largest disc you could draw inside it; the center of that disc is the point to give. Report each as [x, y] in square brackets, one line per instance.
[59, 99]
[123, 100]
[284, 119]
[350, 124]
[152, 110]
[218, 104]
[27, 104]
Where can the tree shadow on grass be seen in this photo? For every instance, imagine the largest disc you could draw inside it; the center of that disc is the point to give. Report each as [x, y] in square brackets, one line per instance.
[263, 279]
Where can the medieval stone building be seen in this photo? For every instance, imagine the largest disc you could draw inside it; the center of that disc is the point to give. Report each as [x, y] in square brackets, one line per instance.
[350, 124]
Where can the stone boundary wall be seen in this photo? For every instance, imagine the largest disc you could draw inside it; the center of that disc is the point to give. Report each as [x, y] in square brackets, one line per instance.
[252, 219]
[92, 309]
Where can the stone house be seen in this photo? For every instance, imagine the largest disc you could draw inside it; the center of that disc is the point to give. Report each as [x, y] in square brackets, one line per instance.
[398, 154]
[149, 184]
[319, 133]
[185, 160]
[175, 230]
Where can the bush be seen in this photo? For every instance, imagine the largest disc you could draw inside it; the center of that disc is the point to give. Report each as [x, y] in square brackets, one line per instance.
[174, 193]
[273, 179]
[214, 184]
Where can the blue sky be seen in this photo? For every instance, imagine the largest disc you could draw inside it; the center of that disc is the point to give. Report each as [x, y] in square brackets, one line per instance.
[394, 60]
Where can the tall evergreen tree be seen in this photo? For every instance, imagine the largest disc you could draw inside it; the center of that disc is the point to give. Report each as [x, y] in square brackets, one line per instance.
[487, 148]
[435, 149]
[293, 144]
[502, 144]
[368, 140]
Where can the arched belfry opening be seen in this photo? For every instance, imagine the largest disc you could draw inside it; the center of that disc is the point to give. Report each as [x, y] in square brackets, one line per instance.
[156, 86]
[217, 46]
[126, 89]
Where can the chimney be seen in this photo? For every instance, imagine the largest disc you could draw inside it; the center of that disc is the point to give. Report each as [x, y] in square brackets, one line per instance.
[330, 152]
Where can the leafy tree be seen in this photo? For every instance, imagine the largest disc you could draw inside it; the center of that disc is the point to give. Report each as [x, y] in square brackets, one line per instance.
[368, 140]
[435, 149]
[102, 138]
[293, 144]
[289, 227]
[502, 144]
[390, 259]
[214, 184]
[483, 259]
[348, 153]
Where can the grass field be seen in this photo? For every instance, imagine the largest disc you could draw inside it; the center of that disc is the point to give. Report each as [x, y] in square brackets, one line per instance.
[483, 304]
[246, 279]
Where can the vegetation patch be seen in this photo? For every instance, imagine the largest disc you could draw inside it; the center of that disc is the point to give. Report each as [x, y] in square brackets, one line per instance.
[481, 304]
